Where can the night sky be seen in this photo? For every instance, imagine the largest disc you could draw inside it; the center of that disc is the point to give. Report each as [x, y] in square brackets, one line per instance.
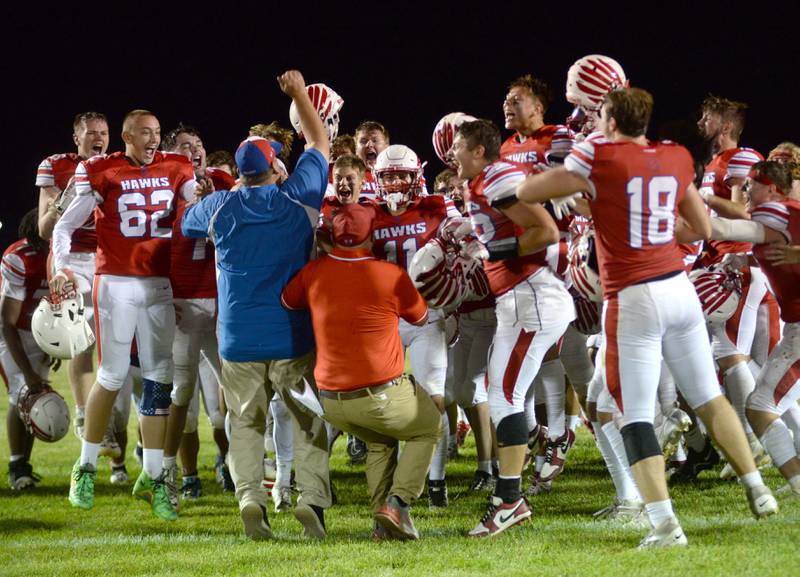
[404, 66]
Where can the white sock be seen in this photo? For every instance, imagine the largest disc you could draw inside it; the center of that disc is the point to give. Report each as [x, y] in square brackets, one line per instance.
[485, 466]
[778, 443]
[623, 484]
[439, 461]
[89, 453]
[618, 446]
[170, 462]
[539, 463]
[283, 473]
[739, 383]
[751, 480]
[152, 461]
[573, 421]
[530, 411]
[659, 511]
[552, 375]
[282, 431]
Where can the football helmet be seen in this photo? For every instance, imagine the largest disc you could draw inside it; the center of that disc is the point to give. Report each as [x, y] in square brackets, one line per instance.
[327, 103]
[398, 159]
[434, 276]
[589, 80]
[719, 292]
[582, 267]
[445, 133]
[59, 325]
[44, 413]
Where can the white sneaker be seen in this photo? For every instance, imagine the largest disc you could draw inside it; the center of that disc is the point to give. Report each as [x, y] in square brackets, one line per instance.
[624, 512]
[119, 475]
[282, 498]
[762, 502]
[672, 428]
[501, 516]
[668, 534]
[788, 491]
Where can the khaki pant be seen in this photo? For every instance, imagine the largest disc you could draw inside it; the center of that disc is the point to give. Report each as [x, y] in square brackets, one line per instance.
[401, 413]
[248, 389]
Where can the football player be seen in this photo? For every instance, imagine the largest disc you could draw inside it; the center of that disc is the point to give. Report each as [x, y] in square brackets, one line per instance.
[136, 192]
[637, 189]
[372, 138]
[24, 283]
[533, 307]
[54, 178]
[405, 221]
[194, 288]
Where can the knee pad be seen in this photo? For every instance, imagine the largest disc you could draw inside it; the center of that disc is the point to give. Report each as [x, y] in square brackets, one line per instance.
[156, 398]
[512, 430]
[640, 442]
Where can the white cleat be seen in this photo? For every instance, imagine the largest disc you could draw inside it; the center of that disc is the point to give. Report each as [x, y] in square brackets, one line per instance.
[282, 498]
[668, 534]
[624, 512]
[672, 428]
[762, 502]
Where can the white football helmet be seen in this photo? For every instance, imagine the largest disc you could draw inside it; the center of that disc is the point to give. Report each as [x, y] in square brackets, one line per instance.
[398, 159]
[589, 80]
[445, 133]
[582, 268]
[436, 280]
[719, 292]
[60, 328]
[327, 103]
[45, 413]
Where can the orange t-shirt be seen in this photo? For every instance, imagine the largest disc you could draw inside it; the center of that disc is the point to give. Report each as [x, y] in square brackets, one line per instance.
[355, 302]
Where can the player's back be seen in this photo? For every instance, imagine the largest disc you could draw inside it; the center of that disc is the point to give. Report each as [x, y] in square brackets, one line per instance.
[24, 266]
[634, 204]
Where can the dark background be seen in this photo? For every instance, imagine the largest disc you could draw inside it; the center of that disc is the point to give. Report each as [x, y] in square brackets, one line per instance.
[405, 65]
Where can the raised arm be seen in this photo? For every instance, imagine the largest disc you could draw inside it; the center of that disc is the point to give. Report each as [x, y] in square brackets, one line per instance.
[293, 84]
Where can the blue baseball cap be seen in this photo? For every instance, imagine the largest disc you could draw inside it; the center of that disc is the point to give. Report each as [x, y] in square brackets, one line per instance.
[255, 155]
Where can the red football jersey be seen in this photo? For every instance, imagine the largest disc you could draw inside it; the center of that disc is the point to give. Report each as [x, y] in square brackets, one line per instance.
[57, 171]
[135, 210]
[397, 238]
[531, 151]
[369, 188]
[634, 197]
[494, 186]
[783, 216]
[728, 164]
[24, 276]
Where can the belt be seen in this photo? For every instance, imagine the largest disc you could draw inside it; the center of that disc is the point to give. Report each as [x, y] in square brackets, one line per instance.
[360, 393]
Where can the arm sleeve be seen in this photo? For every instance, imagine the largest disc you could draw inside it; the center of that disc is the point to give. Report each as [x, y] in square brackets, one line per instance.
[775, 216]
[560, 146]
[197, 218]
[293, 296]
[737, 230]
[308, 182]
[580, 161]
[13, 273]
[500, 184]
[79, 210]
[410, 305]
[740, 163]
[44, 174]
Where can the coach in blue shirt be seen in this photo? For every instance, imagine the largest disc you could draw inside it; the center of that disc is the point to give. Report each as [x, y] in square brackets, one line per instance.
[263, 234]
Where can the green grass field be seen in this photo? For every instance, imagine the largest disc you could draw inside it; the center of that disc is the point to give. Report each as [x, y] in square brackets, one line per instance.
[40, 534]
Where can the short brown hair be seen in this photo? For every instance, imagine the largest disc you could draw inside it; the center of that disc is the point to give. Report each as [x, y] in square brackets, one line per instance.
[343, 144]
[729, 110]
[85, 117]
[274, 131]
[351, 161]
[778, 172]
[538, 89]
[168, 142]
[631, 109]
[443, 177]
[369, 125]
[220, 157]
[484, 133]
[133, 115]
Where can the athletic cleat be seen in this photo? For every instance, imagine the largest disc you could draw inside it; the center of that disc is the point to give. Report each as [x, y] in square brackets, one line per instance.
[162, 499]
[169, 477]
[462, 430]
[482, 481]
[256, 522]
[437, 494]
[537, 486]
[667, 534]
[555, 455]
[21, 475]
[282, 498]
[143, 487]
[81, 486]
[788, 491]
[624, 512]
[762, 503]
[671, 430]
[356, 450]
[109, 446]
[396, 521]
[501, 516]
[119, 475]
[312, 518]
[695, 463]
[223, 475]
[191, 487]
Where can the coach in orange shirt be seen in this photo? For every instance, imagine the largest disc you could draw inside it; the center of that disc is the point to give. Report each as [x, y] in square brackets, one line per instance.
[355, 303]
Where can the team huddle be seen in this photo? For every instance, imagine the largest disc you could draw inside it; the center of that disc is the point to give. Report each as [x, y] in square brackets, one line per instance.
[573, 273]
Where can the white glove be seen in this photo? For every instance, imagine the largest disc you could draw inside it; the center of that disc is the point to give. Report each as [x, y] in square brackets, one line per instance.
[475, 249]
[562, 206]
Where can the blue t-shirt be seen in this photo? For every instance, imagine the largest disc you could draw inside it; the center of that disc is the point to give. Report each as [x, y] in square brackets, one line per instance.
[263, 235]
